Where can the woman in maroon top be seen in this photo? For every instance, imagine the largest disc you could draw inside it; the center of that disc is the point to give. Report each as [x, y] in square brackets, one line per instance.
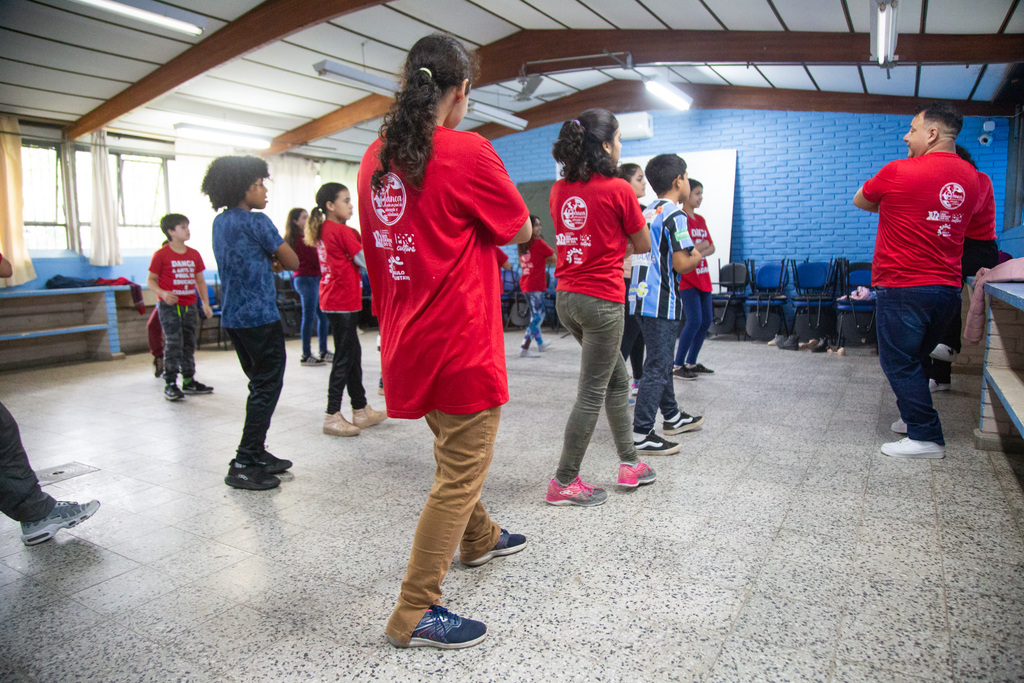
[306, 281]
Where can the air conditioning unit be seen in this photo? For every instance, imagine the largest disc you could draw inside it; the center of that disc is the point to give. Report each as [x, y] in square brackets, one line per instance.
[638, 125]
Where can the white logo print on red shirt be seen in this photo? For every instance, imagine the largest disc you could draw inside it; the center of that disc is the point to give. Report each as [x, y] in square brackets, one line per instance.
[389, 201]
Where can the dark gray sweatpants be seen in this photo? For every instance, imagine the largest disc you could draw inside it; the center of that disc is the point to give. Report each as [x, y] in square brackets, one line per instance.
[21, 499]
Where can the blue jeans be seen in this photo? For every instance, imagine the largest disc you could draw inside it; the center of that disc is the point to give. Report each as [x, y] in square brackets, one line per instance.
[909, 322]
[656, 389]
[308, 288]
[536, 300]
[697, 308]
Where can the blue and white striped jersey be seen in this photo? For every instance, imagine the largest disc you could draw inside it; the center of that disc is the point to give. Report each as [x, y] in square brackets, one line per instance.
[654, 287]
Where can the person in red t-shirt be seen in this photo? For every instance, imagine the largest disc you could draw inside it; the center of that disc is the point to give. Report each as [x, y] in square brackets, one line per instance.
[534, 258]
[923, 203]
[433, 202]
[595, 214]
[306, 281]
[340, 251]
[175, 272]
[695, 291]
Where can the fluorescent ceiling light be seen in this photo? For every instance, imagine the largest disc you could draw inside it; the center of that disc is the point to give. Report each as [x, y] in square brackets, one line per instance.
[497, 115]
[152, 13]
[884, 32]
[353, 76]
[221, 136]
[668, 92]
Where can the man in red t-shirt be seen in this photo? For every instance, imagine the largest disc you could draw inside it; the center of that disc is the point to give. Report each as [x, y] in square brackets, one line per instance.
[174, 273]
[924, 203]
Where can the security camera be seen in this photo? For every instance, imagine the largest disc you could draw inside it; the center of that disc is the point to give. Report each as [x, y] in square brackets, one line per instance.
[985, 139]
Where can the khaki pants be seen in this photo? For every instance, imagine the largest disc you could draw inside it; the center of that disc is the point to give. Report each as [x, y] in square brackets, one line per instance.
[453, 516]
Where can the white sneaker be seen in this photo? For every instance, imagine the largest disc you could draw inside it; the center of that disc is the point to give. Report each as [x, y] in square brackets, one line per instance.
[543, 347]
[943, 352]
[934, 386]
[908, 448]
[899, 426]
[528, 353]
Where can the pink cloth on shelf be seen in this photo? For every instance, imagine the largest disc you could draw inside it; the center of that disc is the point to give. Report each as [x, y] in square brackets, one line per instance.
[1010, 271]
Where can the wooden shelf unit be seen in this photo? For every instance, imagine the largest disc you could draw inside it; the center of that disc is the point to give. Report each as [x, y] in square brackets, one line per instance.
[1002, 391]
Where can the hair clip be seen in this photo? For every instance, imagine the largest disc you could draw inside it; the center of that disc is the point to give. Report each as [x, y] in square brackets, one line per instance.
[430, 74]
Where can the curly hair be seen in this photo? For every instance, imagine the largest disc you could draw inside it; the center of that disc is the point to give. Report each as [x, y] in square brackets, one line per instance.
[580, 145]
[228, 179]
[328, 192]
[435, 64]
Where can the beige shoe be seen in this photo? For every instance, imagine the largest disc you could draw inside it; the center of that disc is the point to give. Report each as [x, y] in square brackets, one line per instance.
[367, 417]
[337, 425]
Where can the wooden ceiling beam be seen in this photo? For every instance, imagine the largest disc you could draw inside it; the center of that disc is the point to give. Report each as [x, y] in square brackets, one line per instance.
[350, 115]
[625, 96]
[265, 23]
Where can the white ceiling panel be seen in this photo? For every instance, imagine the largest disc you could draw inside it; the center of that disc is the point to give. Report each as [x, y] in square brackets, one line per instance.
[44, 52]
[959, 16]
[626, 14]
[581, 79]
[57, 81]
[47, 101]
[901, 83]
[790, 77]
[1016, 23]
[298, 59]
[909, 16]
[271, 78]
[459, 17]
[626, 74]
[948, 82]
[330, 40]
[30, 112]
[520, 14]
[738, 74]
[356, 135]
[226, 10]
[688, 15]
[753, 15]
[990, 82]
[164, 121]
[570, 13]
[837, 78]
[345, 146]
[239, 96]
[698, 74]
[182, 106]
[813, 15]
[393, 28]
[324, 149]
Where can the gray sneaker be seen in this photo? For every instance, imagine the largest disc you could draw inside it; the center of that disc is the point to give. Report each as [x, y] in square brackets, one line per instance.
[65, 514]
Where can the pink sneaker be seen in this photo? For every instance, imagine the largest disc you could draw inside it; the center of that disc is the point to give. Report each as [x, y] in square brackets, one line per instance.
[576, 493]
[631, 477]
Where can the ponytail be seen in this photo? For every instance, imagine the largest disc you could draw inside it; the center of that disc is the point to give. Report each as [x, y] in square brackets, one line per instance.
[435, 64]
[580, 145]
[328, 192]
[313, 226]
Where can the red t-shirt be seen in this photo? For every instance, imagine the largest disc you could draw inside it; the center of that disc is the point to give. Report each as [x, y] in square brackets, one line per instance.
[430, 256]
[176, 273]
[925, 203]
[534, 265]
[592, 221]
[983, 225]
[341, 284]
[309, 260]
[700, 277]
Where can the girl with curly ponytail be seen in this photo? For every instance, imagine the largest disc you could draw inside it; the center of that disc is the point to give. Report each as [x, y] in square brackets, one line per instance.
[433, 204]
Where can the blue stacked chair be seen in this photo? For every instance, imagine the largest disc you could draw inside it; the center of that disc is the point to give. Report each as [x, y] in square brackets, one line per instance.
[727, 304]
[856, 318]
[814, 303]
[765, 313]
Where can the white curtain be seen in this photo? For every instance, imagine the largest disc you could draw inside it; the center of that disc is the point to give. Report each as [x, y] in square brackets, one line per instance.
[105, 248]
[12, 227]
[292, 184]
[345, 173]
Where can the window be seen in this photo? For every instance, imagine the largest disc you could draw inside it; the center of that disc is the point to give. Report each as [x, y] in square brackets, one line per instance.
[46, 224]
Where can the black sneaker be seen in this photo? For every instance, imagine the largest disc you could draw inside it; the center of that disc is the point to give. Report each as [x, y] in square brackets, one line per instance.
[310, 361]
[508, 544]
[445, 630]
[790, 343]
[172, 392]
[190, 386]
[652, 444]
[272, 464]
[682, 423]
[683, 372]
[701, 370]
[252, 477]
[326, 357]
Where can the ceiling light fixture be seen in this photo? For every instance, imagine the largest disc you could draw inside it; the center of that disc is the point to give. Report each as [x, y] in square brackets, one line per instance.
[235, 138]
[668, 92]
[152, 13]
[884, 32]
[352, 76]
[497, 115]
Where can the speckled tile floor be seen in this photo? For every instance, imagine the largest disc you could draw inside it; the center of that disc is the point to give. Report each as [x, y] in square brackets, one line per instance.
[778, 546]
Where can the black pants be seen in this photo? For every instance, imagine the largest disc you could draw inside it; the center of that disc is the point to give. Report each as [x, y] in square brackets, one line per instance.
[262, 356]
[347, 368]
[179, 323]
[977, 254]
[21, 499]
[633, 341]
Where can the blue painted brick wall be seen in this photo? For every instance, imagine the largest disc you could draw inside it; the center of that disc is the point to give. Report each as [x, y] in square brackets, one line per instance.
[796, 172]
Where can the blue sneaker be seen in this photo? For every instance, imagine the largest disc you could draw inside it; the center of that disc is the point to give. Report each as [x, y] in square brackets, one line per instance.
[445, 630]
[508, 544]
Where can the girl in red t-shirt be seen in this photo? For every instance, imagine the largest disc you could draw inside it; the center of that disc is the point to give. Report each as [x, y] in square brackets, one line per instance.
[595, 214]
[534, 257]
[341, 298]
[695, 292]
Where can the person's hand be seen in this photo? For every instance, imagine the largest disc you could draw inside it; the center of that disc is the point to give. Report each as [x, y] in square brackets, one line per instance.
[207, 311]
[170, 298]
[275, 264]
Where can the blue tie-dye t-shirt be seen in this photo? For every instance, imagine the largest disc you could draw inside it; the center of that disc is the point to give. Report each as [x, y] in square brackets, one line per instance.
[243, 242]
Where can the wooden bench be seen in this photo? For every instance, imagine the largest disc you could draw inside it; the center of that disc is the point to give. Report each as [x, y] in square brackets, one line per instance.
[1002, 391]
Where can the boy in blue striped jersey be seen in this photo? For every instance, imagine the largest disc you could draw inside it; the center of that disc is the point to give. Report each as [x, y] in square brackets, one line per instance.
[654, 291]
